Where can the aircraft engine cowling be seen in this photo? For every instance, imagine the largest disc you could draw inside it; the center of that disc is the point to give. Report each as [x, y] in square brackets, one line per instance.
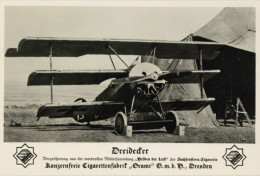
[144, 69]
[149, 89]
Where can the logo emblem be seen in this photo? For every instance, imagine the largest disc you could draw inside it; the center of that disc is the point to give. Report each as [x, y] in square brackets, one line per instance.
[234, 157]
[25, 155]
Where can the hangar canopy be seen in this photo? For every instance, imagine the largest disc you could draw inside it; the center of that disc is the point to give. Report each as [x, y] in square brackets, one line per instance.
[233, 26]
[236, 28]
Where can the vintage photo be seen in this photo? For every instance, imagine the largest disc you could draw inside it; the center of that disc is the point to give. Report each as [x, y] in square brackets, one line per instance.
[129, 74]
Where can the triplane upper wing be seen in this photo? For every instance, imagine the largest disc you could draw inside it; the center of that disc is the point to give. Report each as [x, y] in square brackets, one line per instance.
[67, 47]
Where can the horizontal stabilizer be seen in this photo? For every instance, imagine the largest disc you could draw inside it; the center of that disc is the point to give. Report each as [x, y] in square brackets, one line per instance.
[69, 47]
[73, 77]
[77, 108]
[192, 76]
[183, 104]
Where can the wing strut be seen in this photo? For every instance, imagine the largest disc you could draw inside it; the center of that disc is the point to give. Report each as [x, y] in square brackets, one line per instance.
[152, 54]
[112, 61]
[52, 77]
[161, 108]
[118, 55]
[132, 106]
[154, 50]
[201, 75]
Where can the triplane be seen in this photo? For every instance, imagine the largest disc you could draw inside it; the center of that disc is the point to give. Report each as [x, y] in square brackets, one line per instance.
[134, 90]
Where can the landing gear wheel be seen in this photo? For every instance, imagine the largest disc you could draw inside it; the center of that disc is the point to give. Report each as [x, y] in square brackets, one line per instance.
[80, 99]
[170, 127]
[120, 123]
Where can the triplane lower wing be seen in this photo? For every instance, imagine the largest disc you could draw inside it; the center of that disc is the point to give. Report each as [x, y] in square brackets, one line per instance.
[77, 109]
[133, 90]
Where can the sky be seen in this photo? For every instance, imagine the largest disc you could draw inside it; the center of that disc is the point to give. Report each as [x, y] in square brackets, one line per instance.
[151, 23]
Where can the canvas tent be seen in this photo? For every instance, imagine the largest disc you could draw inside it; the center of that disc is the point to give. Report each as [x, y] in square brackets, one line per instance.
[234, 27]
[204, 118]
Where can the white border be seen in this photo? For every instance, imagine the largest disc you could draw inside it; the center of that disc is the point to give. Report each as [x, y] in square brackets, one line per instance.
[104, 149]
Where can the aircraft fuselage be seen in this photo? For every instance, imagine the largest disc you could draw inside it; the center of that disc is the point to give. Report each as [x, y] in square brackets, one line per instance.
[142, 92]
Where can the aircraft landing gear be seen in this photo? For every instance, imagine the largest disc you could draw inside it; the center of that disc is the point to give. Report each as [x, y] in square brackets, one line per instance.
[120, 123]
[170, 123]
[169, 120]
[170, 127]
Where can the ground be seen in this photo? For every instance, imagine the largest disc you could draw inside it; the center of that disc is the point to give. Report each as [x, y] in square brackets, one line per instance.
[67, 130]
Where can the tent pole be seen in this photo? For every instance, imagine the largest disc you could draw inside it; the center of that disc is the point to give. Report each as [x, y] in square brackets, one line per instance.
[51, 75]
[201, 75]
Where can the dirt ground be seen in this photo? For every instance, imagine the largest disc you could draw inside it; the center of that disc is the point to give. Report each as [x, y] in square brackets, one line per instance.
[67, 130]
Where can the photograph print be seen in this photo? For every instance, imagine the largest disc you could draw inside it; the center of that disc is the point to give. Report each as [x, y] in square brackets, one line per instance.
[129, 74]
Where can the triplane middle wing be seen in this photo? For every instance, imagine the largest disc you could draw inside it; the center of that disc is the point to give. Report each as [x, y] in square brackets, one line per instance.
[70, 77]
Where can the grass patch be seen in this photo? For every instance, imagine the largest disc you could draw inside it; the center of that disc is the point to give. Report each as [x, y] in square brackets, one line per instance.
[25, 106]
[68, 130]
